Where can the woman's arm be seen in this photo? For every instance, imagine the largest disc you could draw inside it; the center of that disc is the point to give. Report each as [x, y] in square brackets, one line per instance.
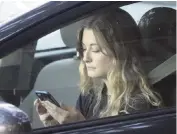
[85, 104]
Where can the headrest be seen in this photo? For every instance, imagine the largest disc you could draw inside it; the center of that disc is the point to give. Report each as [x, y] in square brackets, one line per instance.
[69, 34]
[158, 29]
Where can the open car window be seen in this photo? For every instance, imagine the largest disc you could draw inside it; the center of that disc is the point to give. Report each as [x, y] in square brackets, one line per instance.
[51, 63]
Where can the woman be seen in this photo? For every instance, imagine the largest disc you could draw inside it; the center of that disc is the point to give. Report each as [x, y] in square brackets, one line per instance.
[111, 79]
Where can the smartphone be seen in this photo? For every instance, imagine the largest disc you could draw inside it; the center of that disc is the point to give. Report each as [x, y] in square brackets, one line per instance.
[44, 95]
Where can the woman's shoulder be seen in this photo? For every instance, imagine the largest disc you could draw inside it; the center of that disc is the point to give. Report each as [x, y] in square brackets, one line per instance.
[139, 103]
[85, 103]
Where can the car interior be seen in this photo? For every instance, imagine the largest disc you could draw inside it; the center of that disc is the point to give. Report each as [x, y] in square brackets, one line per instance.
[162, 71]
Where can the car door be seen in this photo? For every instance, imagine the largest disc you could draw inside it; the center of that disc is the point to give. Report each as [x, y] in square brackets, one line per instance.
[42, 21]
[161, 121]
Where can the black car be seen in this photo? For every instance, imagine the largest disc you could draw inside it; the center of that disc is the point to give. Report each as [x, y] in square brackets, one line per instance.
[38, 52]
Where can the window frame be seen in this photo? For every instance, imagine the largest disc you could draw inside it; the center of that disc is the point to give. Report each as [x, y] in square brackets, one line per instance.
[158, 116]
[11, 42]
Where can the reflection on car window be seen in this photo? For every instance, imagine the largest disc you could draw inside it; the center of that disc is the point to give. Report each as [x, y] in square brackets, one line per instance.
[17, 8]
[95, 85]
[50, 41]
[146, 6]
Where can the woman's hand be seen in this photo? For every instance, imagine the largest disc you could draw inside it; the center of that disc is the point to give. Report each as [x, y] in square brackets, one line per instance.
[63, 114]
[44, 116]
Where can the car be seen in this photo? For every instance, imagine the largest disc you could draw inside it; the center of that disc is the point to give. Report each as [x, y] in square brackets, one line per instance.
[38, 52]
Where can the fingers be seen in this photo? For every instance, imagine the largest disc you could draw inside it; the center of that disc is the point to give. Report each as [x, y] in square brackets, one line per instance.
[36, 102]
[67, 108]
[52, 108]
[48, 120]
[45, 117]
[61, 114]
[56, 112]
[39, 107]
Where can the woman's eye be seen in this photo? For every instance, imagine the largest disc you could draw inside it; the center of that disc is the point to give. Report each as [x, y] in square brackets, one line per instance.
[83, 49]
[95, 50]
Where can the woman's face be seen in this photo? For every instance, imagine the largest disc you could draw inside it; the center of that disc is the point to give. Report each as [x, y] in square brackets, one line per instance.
[97, 63]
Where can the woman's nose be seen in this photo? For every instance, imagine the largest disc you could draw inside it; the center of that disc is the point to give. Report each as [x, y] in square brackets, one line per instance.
[87, 57]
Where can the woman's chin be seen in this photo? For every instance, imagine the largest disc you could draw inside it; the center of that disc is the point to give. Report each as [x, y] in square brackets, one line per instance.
[92, 75]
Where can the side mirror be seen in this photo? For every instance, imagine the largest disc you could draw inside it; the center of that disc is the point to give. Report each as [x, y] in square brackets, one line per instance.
[13, 120]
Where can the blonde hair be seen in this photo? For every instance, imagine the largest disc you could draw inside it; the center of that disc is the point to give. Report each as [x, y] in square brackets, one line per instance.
[122, 37]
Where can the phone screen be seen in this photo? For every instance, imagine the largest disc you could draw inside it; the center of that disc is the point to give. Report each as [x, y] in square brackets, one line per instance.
[44, 95]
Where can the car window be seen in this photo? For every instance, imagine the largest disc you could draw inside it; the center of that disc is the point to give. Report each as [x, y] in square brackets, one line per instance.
[50, 41]
[145, 6]
[52, 64]
[17, 8]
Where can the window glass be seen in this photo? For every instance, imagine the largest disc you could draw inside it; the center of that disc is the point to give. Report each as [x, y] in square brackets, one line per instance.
[50, 41]
[17, 8]
[52, 64]
[145, 6]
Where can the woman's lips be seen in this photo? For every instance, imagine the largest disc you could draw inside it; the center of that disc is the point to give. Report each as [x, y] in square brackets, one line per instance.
[91, 68]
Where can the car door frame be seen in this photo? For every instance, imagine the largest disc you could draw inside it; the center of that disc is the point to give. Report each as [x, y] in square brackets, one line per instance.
[148, 122]
[38, 27]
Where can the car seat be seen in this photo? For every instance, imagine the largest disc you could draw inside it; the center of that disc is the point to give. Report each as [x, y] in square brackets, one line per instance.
[61, 79]
[158, 29]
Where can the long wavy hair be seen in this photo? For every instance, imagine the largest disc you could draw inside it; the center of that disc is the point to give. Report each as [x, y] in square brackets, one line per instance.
[122, 38]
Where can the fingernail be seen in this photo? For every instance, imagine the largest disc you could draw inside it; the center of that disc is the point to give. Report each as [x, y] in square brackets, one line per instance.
[61, 103]
[42, 103]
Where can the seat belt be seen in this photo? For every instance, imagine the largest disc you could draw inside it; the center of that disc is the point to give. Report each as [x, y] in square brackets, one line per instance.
[163, 70]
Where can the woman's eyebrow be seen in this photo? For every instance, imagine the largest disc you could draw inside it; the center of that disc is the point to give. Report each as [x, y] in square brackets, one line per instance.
[92, 44]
